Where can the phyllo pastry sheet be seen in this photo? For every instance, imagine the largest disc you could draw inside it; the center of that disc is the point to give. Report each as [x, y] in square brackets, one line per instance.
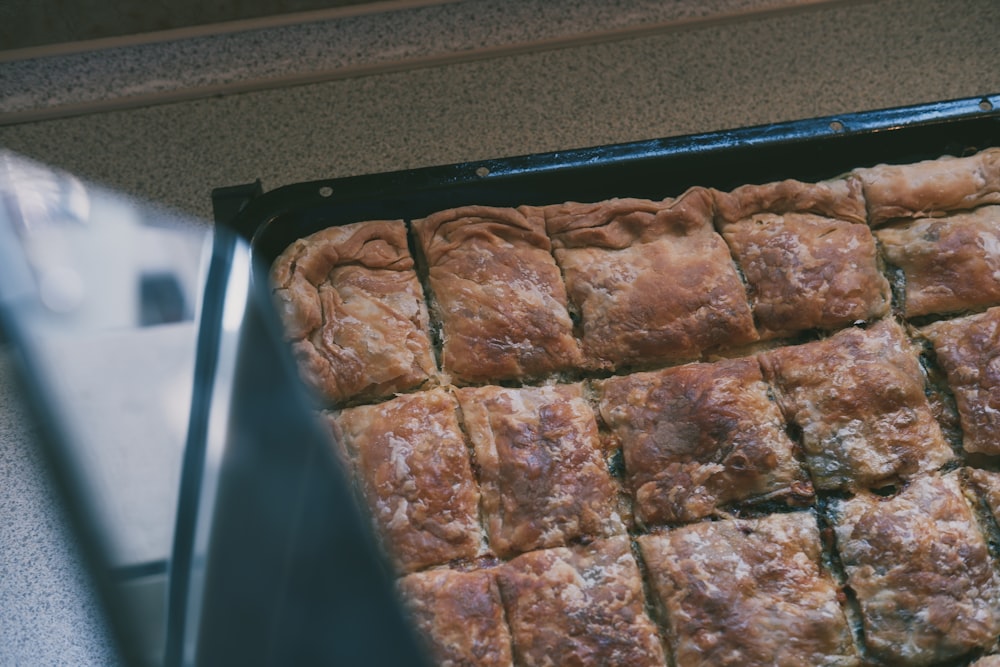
[968, 349]
[459, 616]
[749, 592]
[858, 398]
[808, 257]
[581, 606]
[412, 467]
[354, 309]
[498, 295]
[921, 571]
[650, 281]
[698, 437]
[544, 479]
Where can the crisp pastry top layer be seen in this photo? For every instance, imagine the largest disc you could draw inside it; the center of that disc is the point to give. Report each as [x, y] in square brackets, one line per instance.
[650, 281]
[949, 264]
[809, 260]
[351, 303]
[748, 592]
[413, 469]
[968, 349]
[498, 294]
[579, 606]
[700, 436]
[543, 477]
[931, 188]
[921, 571]
[460, 616]
[858, 398]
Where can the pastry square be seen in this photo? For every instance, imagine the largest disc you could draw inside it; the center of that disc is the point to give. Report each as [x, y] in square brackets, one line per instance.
[649, 281]
[698, 437]
[949, 264]
[498, 295]
[459, 616]
[858, 398]
[580, 606]
[543, 477]
[809, 260]
[930, 188]
[748, 592]
[921, 571]
[412, 467]
[354, 309]
[968, 349]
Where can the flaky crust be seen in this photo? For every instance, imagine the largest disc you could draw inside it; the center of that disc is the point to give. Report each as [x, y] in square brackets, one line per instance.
[858, 397]
[351, 303]
[698, 437]
[950, 264]
[921, 571]
[576, 607]
[650, 281]
[840, 199]
[413, 469]
[932, 187]
[460, 617]
[498, 295]
[748, 592]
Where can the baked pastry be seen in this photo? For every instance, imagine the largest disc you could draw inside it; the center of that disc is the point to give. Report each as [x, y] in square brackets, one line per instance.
[968, 349]
[699, 437]
[543, 478]
[651, 282]
[354, 310]
[497, 294]
[412, 467]
[920, 569]
[748, 592]
[808, 257]
[858, 398]
[579, 606]
[460, 616]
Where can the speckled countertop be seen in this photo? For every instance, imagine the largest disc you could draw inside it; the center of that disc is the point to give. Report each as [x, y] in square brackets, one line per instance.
[170, 120]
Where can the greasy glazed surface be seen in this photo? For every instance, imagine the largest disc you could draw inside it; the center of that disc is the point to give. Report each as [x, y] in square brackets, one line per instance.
[805, 271]
[858, 397]
[987, 487]
[932, 187]
[968, 349]
[351, 303]
[413, 469]
[839, 199]
[741, 593]
[498, 294]
[460, 616]
[651, 281]
[579, 607]
[950, 264]
[921, 571]
[699, 436]
[542, 475]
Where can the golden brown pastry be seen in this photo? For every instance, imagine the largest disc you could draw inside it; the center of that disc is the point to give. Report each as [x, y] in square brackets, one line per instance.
[931, 188]
[858, 398]
[413, 470]
[579, 606]
[921, 571]
[650, 281]
[700, 436]
[351, 303]
[743, 593]
[809, 260]
[544, 481]
[498, 295]
[949, 264]
[460, 617]
[968, 349]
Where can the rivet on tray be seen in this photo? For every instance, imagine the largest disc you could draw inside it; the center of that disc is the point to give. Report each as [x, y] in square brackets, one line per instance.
[482, 172]
[325, 191]
[986, 105]
[836, 126]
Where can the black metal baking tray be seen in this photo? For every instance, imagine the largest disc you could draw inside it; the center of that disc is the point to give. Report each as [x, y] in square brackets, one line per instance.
[808, 150]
